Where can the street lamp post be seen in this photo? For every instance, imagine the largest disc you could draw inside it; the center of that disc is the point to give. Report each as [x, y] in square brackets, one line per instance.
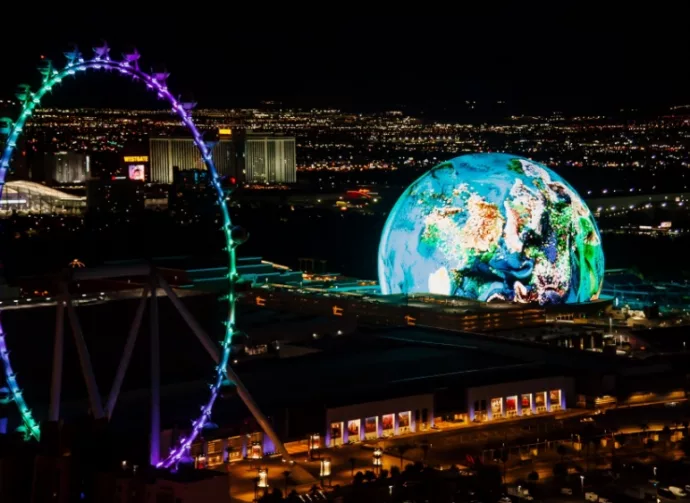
[378, 461]
[227, 469]
[263, 479]
[314, 444]
[325, 471]
[582, 484]
[256, 488]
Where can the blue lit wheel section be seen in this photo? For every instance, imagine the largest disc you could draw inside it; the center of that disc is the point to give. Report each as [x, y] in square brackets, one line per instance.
[156, 83]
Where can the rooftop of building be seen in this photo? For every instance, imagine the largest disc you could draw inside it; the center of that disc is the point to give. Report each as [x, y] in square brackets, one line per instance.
[364, 367]
[18, 187]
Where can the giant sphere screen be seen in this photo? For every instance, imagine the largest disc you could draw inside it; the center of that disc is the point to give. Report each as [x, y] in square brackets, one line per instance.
[492, 227]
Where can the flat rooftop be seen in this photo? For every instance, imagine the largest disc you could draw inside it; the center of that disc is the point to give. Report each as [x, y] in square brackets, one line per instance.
[363, 367]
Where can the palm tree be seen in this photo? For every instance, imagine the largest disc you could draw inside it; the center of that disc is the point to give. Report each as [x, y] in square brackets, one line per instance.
[613, 442]
[425, 446]
[504, 460]
[562, 451]
[644, 427]
[587, 436]
[402, 449]
[286, 474]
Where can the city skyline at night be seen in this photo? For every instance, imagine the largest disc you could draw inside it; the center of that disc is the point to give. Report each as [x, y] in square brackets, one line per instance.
[345, 257]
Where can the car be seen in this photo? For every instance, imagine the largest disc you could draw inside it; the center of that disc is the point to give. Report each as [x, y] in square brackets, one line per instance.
[505, 499]
[567, 491]
[678, 491]
[590, 496]
[666, 493]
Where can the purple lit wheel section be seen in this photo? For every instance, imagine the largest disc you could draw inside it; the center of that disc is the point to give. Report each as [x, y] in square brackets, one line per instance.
[31, 427]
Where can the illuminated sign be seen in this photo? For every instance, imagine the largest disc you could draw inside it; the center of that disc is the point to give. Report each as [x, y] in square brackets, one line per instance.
[260, 301]
[410, 320]
[136, 158]
[137, 172]
[225, 131]
[337, 311]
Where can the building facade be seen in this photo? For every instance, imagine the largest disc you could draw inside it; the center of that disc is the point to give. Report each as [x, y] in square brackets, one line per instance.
[386, 418]
[67, 167]
[168, 153]
[269, 159]
[519, 398]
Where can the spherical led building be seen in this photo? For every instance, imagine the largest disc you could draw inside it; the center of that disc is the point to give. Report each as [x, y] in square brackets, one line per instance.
[492, 227]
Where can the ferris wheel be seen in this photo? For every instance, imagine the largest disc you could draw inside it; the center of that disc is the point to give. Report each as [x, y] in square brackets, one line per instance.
[156, 83]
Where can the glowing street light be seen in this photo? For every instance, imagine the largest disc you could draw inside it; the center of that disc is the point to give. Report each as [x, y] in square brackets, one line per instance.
[325, 469]
[378, 457]
[263, 478]
[314, 444]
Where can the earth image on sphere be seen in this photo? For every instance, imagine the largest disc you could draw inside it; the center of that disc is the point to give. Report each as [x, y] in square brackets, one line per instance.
[492, 227]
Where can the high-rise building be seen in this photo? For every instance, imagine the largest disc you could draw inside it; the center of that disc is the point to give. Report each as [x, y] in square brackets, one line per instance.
[191, 198]
[166, 153]
[246, 156]
[269, 158]
[67, 167]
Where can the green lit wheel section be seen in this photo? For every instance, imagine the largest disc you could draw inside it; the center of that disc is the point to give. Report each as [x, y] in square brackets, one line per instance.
[156, 83]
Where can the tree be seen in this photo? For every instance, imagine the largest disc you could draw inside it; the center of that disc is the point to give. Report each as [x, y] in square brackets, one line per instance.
[644, 427]
[587, 436]
[560, 470]
[562, 451]
[504, 460]
[425, 446]
[685, 446]
[488, 476]
[402, 449]
[286, 474]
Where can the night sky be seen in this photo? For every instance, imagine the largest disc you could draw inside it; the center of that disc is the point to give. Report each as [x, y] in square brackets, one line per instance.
[569, 57]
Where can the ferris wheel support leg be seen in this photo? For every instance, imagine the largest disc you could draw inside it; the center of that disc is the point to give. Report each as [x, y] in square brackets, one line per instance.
[58, 350]
[127, 354]
[203, 337]
[212, 349]
[263, 421]
[85, 361]
[155, 376]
